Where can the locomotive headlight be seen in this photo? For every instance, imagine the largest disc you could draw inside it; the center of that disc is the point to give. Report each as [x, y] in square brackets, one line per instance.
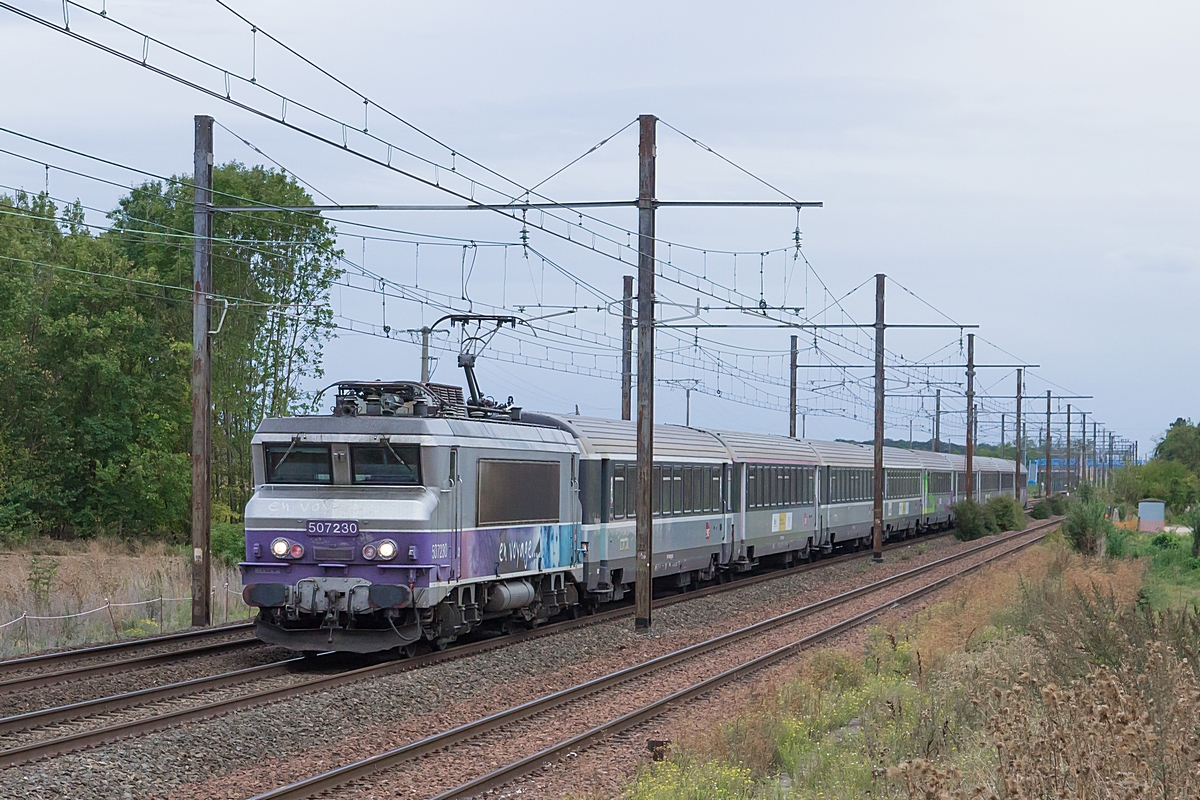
[387, 549]
[369, 552]
[280, 548]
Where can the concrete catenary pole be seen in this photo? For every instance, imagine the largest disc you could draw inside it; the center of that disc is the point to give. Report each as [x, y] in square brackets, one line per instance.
[1068, 447]
[627, 349]
[1020, 442]
[1095, 453]
[1083, 459]
[971, 416]
[792, 395]
[1049, 468]
[202, 373]
[877, 474]
[644, 525]
[937, 422]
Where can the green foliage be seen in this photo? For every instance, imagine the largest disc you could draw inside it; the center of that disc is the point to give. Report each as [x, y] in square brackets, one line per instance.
[1173, 482]
[1058, 505]
[228, 542]
[972, 520]
[285, 261]
[42, 572]
[95, 352]
[1007, 513]
[1181, 444]
[1040, 510]
[1086, 524]
[1191, 518]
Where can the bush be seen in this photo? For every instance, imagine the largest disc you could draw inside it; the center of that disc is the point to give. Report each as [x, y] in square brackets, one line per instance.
[1040, 510]
[1058, 505]
[1117, 543]
[228, 542]
[971, 521]
[1086, 524]
[1007, 512]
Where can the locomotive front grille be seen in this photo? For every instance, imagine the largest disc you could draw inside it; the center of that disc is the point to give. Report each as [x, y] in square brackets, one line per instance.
[339, 554]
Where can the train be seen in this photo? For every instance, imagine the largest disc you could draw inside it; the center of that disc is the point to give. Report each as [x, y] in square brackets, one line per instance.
[410, 516]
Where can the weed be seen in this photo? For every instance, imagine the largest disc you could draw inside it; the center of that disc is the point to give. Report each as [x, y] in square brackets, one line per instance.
[41, 578]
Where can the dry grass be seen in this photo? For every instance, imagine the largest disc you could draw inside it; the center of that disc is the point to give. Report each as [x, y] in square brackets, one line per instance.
[1042, 677]
[49, 578]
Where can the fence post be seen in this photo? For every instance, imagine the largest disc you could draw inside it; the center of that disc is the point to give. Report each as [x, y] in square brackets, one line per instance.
[226, 602]
[25, 617]
[112, 618]
[160, 612]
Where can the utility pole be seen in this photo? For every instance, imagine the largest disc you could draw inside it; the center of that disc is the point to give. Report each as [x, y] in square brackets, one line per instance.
[687, 401]
[937, 423]
[804, 426]
[1068, 448]
[910, 435]
[627, 349]
[1108, 478]
[1017, 487]
[1083, 478]
[1049, 469]
[792, 396]
[644, 522]
[1095, 453]
[425, 331]
[877, 474]
[202, 373]
[970, 416]
[1003, 448]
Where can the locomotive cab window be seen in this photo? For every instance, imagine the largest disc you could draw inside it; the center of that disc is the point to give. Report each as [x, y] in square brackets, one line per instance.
[385, 465]
[298, 463]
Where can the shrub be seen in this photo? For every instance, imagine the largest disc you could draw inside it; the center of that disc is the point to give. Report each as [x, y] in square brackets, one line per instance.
[1007, 512]
[1086, 524]
[1040, 510]
[970, 521]
[1058, 505]
[228, 542]
[1117, 543]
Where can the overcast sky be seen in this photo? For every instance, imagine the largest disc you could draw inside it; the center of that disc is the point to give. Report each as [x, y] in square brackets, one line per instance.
[1027, 167]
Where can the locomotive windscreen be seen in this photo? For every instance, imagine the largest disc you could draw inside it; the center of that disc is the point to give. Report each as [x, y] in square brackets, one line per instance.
[517, 492]
[298, 463]
[387, 465]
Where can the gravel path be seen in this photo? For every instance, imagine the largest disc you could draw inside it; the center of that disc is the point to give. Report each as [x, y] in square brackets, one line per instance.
[238, 755]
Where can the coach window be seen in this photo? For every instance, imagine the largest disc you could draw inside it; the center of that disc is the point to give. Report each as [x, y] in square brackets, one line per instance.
[687, 491]
[298, 463]
[678, 507]
[656, 482]
[618, 492]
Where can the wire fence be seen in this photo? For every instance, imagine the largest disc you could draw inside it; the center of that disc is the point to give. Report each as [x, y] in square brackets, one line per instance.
[30, 632]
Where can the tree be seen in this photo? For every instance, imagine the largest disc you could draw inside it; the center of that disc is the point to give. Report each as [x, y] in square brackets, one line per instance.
[95, 351]
[1182, 444]
[93, 403]
[279, 266]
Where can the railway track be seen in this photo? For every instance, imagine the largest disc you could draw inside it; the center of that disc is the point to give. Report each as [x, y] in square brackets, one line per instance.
[69, 722]
[61, 658]
[505, 721]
